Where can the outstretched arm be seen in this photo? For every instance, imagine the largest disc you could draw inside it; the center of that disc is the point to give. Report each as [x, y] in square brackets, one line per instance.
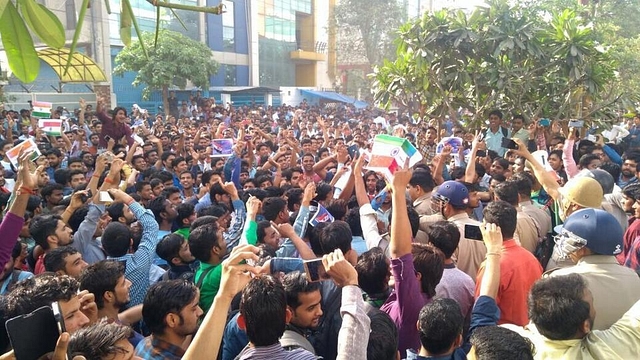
[401, 235]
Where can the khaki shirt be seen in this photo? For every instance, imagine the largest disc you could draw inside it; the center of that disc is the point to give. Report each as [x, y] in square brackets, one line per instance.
[543, 218]
[422, 205]
[615, 288]
[527, 231]
[470, 253]
[620, 341]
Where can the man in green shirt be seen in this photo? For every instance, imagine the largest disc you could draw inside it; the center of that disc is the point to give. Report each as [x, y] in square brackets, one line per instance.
[186, 216]
[207, 245]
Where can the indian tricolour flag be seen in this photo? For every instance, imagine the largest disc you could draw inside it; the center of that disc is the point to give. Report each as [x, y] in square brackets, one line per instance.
[390, 153]
[52, 127]
[41, 109]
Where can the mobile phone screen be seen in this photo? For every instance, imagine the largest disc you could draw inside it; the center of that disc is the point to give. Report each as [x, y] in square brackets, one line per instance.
[353, 151]
[472, 232]
[34, 334]
[508, 143]
[314, 270]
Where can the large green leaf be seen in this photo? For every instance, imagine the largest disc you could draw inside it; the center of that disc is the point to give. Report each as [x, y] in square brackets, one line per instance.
[3, 5]
[126, 18]
[21, 53]
[43, 23]
[127, 4]
[76, 35]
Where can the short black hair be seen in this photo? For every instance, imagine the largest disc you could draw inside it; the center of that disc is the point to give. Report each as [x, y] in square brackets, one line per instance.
[170, 190]
[272, 206]
[184, 210]
[497, 113]
[262, 226]
[55, 259]
[140, 185]
[373, 271]
[336, 235]
[202, 240]
[353, 219]
[296, 283]
[177, 161]
[115, 211]
[48, 189]
[99, 341]
[338, 209]
[100, 277]
[383, 338]
[62, 176]
[423, 179]
[43, 226]
[502, 214]
[38, 291]
[523, 182]
[294, 197]
[586, 159]
[158, 206]
[77, 218]
[169, 247]
[557, 306]
[497, 342]
[119, 242]
[439, 325]
[323, 190]
[507, 192]
[163, 298]
[429, 262]
[263, 306]
[613, 169]
[445, 236]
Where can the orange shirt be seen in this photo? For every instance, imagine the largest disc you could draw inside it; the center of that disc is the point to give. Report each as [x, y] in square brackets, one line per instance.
[519, 269]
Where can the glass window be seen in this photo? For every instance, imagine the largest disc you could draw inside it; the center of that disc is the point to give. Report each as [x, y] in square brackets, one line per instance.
[230, 75]
[228, 39]
[228, 17]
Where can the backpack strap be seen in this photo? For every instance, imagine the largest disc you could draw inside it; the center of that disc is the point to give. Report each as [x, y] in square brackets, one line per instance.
[204, 275]
[505, 131]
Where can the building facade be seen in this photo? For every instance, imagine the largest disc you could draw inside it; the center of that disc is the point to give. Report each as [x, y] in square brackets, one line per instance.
[258, 43]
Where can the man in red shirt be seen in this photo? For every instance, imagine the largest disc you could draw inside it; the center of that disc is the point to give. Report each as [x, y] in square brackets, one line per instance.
[519, 269]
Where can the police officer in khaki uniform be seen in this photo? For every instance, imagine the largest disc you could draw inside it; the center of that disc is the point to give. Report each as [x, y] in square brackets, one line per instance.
[451, 200]
[591, 238]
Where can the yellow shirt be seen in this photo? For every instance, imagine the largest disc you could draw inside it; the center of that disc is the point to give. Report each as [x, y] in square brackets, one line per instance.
[620, 341]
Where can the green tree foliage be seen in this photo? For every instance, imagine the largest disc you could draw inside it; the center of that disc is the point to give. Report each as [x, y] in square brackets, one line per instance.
[174, 60]
[366, 30]
[506, 56]
[616, 25]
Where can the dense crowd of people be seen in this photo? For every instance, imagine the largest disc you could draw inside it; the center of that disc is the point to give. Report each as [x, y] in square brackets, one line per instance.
[156, 242]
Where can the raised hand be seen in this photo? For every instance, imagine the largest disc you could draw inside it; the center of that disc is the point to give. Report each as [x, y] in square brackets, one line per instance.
[492, 237]
[401, 177]
[340, 270]
[309, 193]
[236, 271]
[253, 207]
[285, 230]
[77, 199]
[26, 178]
